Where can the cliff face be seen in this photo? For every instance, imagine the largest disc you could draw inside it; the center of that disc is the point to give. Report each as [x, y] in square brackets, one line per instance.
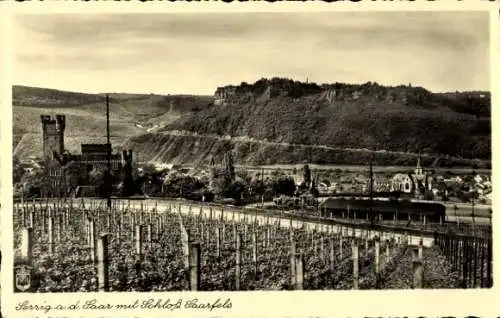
[367, 116]
[276, 121]
[195, 149]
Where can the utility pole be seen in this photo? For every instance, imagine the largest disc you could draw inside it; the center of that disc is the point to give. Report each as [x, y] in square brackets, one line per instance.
[371, 191]
[263, 187]
[108, 147]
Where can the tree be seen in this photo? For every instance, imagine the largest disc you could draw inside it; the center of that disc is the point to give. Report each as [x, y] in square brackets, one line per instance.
[257, 187]
[284, 186]
[182, 186]
[234, 190]
[429, 195]
[307, 176]
[314, 191]
[17, 170]
[229, 166]
[96, 176]
[105, 185]
[34, 185]
[244, 175]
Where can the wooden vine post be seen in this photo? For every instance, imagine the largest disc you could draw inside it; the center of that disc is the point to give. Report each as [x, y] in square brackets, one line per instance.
[322, 248]
[387, 252]
[119, 230]
[138, 241]
[268, 237]
[133, 225]
[218, 241]
[60, 225]
[421, 249]
[103, 262]
[341, 247]
[51, 234]
[254, 249]
[292, 259]
[92, 237]
[332, 260]
[27, 245]
[32, 219]
[108, 219]
[43, 216]
[299, 272]
[223, 233]
[194, 266]
[417, 268]
[355, 264]
[238, 263]
[377, 261]
[150, 233]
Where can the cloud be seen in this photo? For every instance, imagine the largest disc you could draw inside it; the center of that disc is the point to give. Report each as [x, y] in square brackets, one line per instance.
[228, 47]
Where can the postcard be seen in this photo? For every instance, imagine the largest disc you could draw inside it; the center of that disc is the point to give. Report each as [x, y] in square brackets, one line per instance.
[249, 160]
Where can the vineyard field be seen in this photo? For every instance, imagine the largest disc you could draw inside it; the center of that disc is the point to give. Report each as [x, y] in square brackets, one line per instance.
[78, 248]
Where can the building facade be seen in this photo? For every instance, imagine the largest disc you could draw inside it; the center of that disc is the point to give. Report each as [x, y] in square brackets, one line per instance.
[416, 183]
[67, 172]
[53, 135]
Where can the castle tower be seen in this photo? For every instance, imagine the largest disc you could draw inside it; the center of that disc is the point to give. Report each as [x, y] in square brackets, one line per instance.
[129, 187]
[53, 135]
[127, 161]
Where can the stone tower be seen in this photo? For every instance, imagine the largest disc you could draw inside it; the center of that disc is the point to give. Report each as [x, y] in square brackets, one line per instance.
[53, 135]
[129, 186]
[127, 161]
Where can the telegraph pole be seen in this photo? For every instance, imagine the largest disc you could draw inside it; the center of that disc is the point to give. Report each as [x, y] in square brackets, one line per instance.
[108, 175]
[371, 191]
[263, 188]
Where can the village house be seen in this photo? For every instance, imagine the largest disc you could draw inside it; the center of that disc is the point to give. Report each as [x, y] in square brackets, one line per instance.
[416, 183]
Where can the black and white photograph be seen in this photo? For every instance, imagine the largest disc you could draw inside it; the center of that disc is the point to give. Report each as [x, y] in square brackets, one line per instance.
[251, 151]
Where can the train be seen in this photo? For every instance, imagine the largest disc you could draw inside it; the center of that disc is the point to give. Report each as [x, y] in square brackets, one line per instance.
[383, 209]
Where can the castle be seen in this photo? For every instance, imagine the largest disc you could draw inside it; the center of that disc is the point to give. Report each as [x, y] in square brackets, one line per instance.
[53, 135]
[69, 172]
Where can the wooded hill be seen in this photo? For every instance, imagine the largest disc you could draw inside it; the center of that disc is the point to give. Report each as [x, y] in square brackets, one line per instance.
[284, 121]
[371, 116]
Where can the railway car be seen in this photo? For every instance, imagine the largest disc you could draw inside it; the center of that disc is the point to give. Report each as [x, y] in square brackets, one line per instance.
[385, 209]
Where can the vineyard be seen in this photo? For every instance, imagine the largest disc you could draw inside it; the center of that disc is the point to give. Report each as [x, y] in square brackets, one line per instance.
[84, 248]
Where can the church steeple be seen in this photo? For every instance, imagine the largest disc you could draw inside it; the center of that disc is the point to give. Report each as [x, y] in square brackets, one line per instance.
[418, 170]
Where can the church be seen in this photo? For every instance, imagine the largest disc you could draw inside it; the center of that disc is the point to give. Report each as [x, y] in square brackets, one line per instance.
[416, 183]
[68, 173]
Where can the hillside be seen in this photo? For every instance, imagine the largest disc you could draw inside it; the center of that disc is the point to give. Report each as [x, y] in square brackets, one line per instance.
[46, 97]
[183, 148]
[82, 126]
[130, 115]
[272, 122]
[349, 116]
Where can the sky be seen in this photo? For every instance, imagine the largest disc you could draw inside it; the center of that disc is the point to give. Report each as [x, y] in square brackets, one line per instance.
[194, 53]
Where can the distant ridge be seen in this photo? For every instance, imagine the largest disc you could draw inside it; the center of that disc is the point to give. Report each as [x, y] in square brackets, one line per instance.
[47, 97]
[371, 116]
[266, 121]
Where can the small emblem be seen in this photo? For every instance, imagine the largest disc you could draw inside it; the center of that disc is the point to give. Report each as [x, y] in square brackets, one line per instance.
[23, 277]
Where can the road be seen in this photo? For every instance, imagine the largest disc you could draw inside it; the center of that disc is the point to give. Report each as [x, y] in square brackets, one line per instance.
[323, 147]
